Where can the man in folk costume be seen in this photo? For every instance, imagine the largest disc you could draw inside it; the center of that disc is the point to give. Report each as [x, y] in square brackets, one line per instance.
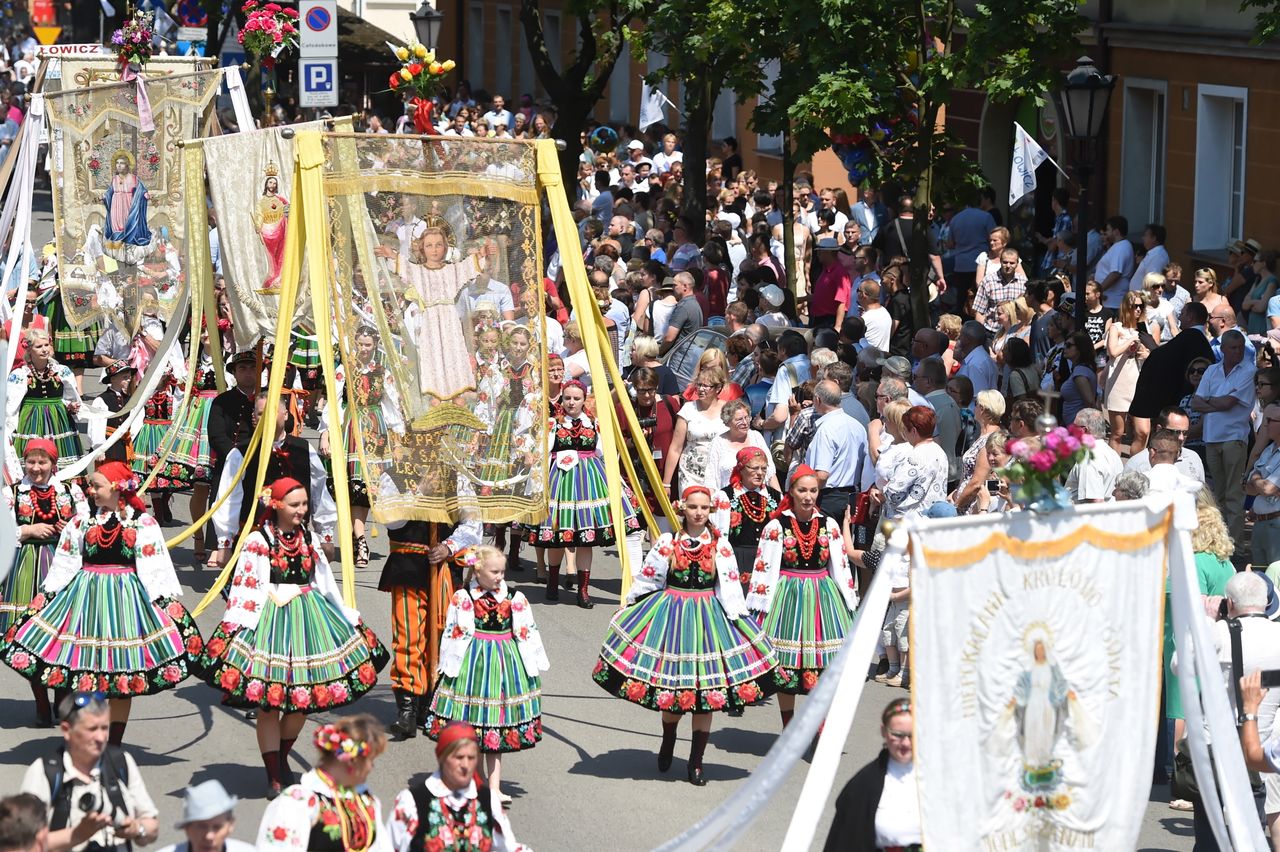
[231, 412]
[118, 376]
[417, 575]
[289, 456]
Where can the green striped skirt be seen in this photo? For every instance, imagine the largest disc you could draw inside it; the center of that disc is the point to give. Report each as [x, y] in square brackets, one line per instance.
[190, 460]
[147, 443]
[71, 346]
[102, 634]
[493, 693]
[579, 507]
[29, 570]
[806, 622]
[303, 657]
[676, 650]
[47, 418]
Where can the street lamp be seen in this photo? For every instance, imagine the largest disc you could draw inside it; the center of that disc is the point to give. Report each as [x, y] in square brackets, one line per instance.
[427, 21]
[1082, 106]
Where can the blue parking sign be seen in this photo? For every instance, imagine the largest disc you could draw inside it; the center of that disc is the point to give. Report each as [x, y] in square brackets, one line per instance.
[318, 82]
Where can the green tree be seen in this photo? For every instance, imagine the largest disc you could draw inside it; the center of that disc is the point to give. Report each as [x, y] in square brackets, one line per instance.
[879, 74]
[1266, 22]
[576, 85]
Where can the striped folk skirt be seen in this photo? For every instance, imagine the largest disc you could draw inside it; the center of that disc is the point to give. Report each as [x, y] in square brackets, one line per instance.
[71, 347]
[147, 444]
[578, 498]
[29, 570]
[47, 418]
[806, 622]
[677, 651]
[303, 657]
[493, 693]
[102, 634]
[190, 460]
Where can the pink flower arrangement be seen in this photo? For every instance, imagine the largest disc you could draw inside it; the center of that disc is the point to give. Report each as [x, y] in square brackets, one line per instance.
[132, 42]
[1038, 470]
[269, 30]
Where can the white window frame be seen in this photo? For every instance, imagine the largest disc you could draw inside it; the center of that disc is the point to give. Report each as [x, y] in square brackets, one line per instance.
[1155, 202]
[1214, 225]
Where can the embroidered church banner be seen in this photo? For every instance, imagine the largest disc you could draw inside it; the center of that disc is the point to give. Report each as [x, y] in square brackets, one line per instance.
[117, 198]
[250, 182]
[436, 251]
[1035, 649]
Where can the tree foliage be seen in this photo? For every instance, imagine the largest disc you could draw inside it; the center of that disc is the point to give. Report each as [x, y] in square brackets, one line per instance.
[1266, 22]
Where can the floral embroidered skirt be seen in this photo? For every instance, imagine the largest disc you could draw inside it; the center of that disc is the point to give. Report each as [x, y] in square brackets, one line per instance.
[47, 418]
[190, 460]
[29, 570]
[578, 498]
[806, 622]
[72, 347]
[102, 634]
[147, 444]
[493, 693]
[303, 657]
[377, 452]
[677, 651]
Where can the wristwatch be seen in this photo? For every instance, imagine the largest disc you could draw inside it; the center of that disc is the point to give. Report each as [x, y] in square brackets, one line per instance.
[1249, 717]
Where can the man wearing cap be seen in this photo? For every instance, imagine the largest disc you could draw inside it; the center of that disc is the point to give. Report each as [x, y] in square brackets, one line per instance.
[771, 299]
[231, 412]
[832, 281]
[208, 819]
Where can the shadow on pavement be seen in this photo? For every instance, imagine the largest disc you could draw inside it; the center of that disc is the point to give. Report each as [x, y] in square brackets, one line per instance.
[739, 741]
[239, 779]
[641, 765]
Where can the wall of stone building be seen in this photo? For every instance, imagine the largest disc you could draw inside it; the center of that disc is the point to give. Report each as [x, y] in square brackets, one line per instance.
[1186, 77]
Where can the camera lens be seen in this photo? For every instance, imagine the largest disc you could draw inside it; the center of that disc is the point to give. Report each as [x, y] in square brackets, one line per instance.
[88, 803]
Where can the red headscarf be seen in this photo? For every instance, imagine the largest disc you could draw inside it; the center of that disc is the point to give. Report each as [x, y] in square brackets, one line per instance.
[745, 456]
[273, 495]
[451, 733]
[43, 445]
[124, 480]
[695, 489]
[785, 505]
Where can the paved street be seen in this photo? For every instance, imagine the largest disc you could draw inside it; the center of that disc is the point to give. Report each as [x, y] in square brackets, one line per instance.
[591, 784]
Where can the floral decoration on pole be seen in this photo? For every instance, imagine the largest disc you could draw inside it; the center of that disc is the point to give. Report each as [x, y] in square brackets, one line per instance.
[132, 44]
[1039, 464]
[420, 79]
[270, 30]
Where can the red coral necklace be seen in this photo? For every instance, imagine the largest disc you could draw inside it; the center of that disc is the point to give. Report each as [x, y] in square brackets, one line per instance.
[757, 512]
[807, 540]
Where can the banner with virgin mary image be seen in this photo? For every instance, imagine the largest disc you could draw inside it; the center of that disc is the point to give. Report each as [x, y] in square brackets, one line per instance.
[118, 195]
[438, 303]
[1035, 649]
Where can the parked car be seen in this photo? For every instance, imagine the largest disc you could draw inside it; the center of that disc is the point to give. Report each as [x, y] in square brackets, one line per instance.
[683, 357]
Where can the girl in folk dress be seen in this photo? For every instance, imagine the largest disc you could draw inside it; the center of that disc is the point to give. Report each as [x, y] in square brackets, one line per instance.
[191, 460]
[331, 809]
[41, 401]
[580, 518]
[802, 586]
[41, 508]
[512, 436]
[287, 646]
[689, 648]
[106, 618]
[491, 657]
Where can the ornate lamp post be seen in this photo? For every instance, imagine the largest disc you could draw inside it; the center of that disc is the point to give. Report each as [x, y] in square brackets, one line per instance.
[427, 21]
[1082, 105]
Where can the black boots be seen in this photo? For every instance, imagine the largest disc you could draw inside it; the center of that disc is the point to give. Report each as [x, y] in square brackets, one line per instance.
[584, 590]
[553, 582]
[667, 752]
[405, 726]
[695, 757]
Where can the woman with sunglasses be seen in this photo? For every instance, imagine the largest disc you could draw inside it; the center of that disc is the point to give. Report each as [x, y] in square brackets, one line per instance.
[107, 618]
[880, 806]
[1195, 432]
[684, 644]
[1076, 379]
[1125, 356]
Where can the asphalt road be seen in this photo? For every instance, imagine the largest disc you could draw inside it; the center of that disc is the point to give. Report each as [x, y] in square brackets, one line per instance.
[591, 784]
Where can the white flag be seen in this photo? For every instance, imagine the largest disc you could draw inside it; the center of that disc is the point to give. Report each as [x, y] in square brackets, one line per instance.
[1027, 157]
[107, 8]
[653, 103]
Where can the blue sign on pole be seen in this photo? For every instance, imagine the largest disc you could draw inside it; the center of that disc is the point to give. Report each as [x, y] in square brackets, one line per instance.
[318, 82]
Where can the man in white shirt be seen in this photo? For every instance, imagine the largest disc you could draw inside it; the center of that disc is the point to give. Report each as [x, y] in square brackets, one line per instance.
[663, 159]
[1156, 258]
[458, 127]
[1115, 268]
[875, 315]
[1093, 480]
[25, 68]
[1176, 421]
[976, 364]
[499, 114]
[1225, 397]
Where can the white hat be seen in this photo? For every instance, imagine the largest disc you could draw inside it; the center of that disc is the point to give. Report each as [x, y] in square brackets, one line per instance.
[772, 294]
[205, 801]
[634, 144]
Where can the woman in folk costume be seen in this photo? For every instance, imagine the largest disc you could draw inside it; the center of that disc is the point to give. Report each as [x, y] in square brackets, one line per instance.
[491, 657]
[580, 517]
[802, 586]
[449, 810]
[106, 618]
[41, 508]
[157, 420]
[191, 460]
[512, 436]
[331, 808]
[744, 507]
[287, 645]
[41, 401]
[377, 410]
[689, 648]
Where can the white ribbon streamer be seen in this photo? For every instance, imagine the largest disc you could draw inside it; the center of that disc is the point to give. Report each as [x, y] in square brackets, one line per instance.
[239, 98]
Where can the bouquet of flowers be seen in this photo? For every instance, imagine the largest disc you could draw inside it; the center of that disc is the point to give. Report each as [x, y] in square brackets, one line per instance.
[133, 41]
[420, 78]
[1035, 474]
[269, 30]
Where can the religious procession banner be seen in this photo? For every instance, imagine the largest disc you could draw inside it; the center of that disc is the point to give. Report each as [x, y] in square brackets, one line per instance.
[118, 196]
[250, 182]
[435, 242]
[1036, 660]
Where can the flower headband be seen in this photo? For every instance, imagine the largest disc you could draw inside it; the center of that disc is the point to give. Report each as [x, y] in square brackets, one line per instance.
[334, 740]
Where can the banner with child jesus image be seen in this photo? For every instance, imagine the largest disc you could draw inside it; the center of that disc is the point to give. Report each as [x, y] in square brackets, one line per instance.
[439, 322]
[1035, 653]
[118, 202]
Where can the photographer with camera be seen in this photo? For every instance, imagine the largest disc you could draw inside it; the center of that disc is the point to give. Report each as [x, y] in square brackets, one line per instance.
[95, 794]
